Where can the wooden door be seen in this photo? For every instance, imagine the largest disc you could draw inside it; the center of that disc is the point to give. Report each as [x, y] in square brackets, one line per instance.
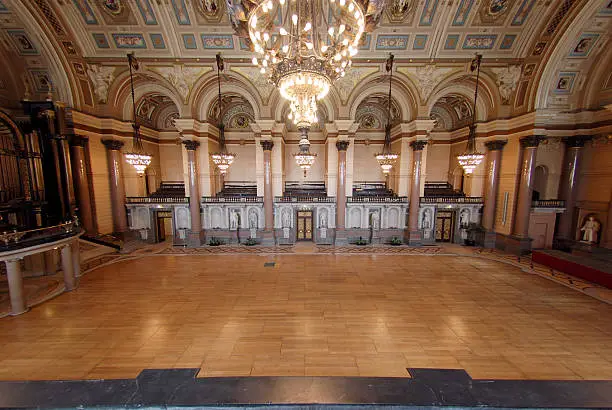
[304, 226]
[444, 226]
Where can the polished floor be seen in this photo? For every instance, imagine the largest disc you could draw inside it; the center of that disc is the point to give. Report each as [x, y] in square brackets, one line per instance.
[311, 315]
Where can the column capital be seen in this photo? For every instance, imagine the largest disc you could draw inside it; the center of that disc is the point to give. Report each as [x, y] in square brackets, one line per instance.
[532, 141]
[495, 145]
[267, 145]
[418, 145]
[191, 145]
[577, 141]
[342, 145]
[113, 145]
[78, 141]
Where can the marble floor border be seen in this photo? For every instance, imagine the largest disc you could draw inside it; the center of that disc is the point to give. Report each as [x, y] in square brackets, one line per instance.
[425, 388]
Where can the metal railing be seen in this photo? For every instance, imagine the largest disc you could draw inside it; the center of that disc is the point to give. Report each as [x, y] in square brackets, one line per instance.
[157, 200]
[231, 199]
[451, 200]
[377, 199]
[21, 239]
[323, 199]
[548, 203]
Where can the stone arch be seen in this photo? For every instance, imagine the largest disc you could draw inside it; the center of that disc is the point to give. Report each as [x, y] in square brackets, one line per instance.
[237, 113]
[205, 92]
[281, 112]
[402, 91]
[372, 112]
[462, 84]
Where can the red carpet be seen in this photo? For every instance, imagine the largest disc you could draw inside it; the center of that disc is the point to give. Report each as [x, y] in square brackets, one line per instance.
[573, 268]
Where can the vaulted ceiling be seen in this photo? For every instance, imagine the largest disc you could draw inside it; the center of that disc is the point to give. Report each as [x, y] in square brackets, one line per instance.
[537, 54]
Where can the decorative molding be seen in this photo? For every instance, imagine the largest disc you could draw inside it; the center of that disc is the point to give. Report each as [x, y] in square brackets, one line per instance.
[182, 78]
[507, 80]
[101, 78]
[427, 77]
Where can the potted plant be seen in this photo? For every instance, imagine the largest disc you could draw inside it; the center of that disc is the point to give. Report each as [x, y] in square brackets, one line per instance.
[474, 232]
[250, 242]
[395, 241]
[361, 241]
[215, 242]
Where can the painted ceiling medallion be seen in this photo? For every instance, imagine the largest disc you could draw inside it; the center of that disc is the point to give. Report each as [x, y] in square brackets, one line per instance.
[114, 7]
[209, 8]
[497, 7]
[399, 10]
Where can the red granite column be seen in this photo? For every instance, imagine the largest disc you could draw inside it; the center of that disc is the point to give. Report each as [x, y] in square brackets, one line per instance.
[117, 186]
[342, 146]
[525, 189]
[194, 187]
[267, 146]
[568, 189]
[414, 234]
[490, 189]
[79, 173]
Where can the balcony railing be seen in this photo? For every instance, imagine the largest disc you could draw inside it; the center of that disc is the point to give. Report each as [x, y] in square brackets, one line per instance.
[323, 199]
[451, 200]
[548, 203]
[21, 239]
[378, 199]
[237, 199]
[157, 200]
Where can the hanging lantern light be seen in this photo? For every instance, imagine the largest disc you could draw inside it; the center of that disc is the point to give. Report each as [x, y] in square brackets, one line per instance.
[137, 157]
[304, 158]
[471, 158]
[386, 159]
[222, 159]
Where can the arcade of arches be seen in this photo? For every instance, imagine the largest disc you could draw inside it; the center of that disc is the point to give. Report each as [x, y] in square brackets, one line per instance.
[543, 120]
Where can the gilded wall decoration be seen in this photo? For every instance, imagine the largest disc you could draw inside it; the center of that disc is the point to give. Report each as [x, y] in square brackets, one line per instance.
[425, 77]
[181, 77]
[507, 80]
[259, 81]
[401, 11]
[101, 78]
[345, 85]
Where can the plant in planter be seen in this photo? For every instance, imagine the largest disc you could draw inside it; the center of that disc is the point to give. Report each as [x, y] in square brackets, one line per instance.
[215, 242]
[474, 234]
[395, 241]
[361, 241]
[250, 242]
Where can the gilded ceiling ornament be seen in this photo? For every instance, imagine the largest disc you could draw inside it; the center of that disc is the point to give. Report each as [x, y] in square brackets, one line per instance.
[427, 77]
[101, 78]
[112, 6]
[182, 78]
[209, 8]
[507, 80]
[345, 85]
[398, 10]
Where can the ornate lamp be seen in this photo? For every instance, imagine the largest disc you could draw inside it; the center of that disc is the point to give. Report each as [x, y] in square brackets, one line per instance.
[222, 158]
[386, 158]
[137, 157]
[304, 158]
[471, 158]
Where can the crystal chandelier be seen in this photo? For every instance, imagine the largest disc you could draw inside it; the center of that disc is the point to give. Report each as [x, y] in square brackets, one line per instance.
[471, 158]
[138, 158]
[304, 45]
[386, 158]
[304, 158]
[222, 158]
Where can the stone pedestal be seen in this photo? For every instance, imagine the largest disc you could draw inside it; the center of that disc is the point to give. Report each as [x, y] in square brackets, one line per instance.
[341, 237]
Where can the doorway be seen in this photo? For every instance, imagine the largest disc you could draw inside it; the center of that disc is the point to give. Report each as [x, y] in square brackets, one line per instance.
[304, 225]
[163, 225]
[444, 226]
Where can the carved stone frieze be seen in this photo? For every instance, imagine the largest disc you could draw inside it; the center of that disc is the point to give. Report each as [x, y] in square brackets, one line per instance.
[101, 78]
[426, 77]
[507, 79]
[182, 77]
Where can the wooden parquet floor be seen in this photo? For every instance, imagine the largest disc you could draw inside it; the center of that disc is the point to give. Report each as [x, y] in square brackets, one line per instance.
[358, 315]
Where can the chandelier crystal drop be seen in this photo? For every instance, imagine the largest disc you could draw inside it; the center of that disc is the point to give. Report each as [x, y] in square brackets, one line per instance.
[386, 159]
[471, 158]
[305, 45]
[222, 159]
[137, 158]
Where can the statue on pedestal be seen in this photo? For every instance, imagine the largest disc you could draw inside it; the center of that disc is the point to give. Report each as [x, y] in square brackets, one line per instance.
[590, 228]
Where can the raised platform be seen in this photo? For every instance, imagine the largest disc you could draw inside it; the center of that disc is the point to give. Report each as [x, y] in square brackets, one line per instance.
[593, 267]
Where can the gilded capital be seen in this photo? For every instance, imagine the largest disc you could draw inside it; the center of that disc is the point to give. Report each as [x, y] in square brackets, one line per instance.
[418, 145]
[342, 145]
[496, 145]
[532, 141]
[577, 141]
[267, 145]
[191, 145]
[113, 145]
[78, 141]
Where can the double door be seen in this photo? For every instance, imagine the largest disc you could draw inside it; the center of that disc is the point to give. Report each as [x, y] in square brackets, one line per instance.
[444, 226]
[304, 225]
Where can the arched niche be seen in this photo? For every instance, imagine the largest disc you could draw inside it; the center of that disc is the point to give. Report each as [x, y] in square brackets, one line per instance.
[236, 111]
[452, 111]
[485, 104]
[402, 92]
[372, 112]
[156, 110]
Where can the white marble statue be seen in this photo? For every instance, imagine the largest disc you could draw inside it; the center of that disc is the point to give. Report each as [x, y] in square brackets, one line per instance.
[253, 219]
[233, 220]
[426, 221]
[374, 220]
[286, 219]
[464, 218]
[323, 220]
[590, 228]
